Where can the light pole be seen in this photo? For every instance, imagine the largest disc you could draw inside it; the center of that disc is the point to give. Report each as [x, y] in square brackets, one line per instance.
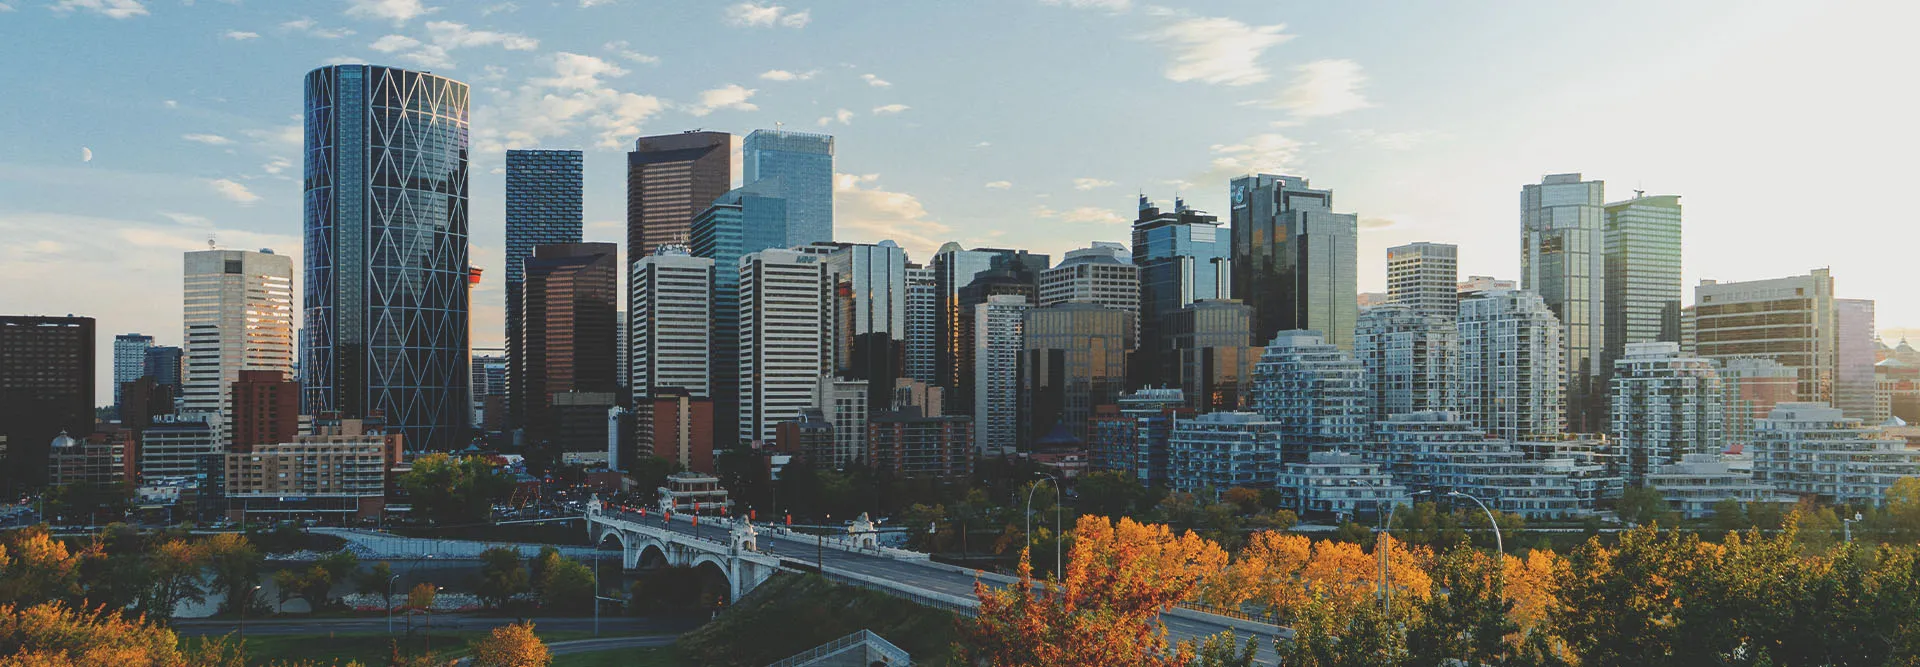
[1846, 526]
[248, 602]
[1386, 544]
[1498, 544]
[1058, 496]
[389, 603]
[436, 596]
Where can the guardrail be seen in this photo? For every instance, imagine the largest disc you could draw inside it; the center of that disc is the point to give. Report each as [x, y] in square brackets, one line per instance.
[1268, 619]
[895, 655]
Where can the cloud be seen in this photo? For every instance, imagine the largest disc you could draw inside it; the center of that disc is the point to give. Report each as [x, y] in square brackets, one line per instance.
[1262, 153]
[576, 97]
[573, 71]
[4, 7]
[1376, 223]
[443, 37]
[983, 144]
[766, 15]
[863, 212]
[86, 154]
[731, 96]
[187, 219]
[113, 9]
[276, 165]
[999, 185]
[1078, 214]
[875, 81]
[233, 191]
[620, 48]
[1090, 183]
[1115, 6]
[594, 3]
[240, 35]
[1394, 141]
[1218, 50]
[398, 11]
[890, 109]
[785, 75]
[208, 139]
[843, 115]
[1323, 88]
[312, 28]
[504, 7]
[170, 104]
[286, 137]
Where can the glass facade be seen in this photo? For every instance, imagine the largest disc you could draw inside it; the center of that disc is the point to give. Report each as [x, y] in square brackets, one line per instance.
[739, 223]
[799, 167]
[386, 290]
[1563, 259]
[1183, 258]
[1294, 258]
[129, 362]
[543, 207]
[1076, 358]
[1643, 273]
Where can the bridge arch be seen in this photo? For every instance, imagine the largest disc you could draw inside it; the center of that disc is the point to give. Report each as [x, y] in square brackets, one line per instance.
[716, 583]
[652, 554]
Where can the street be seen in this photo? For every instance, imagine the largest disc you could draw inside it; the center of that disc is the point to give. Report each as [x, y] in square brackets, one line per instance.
[609, 625]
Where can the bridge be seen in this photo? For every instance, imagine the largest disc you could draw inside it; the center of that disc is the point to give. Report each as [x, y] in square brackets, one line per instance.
[747, 554]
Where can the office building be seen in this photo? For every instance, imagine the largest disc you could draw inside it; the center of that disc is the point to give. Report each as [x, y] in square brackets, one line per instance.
[1751, 388]
[1484, 284]
[1563, 259]
[266, 409]
[567, 346]
[163, 364]
[129, 363]
[1223, 450]
[798, 166]
[845, 404]
[1294, 258]
[1696, 483]
[998, 341]
[807, 437]
[1314, 390]
[336, 476]
[1412, 359]
[1642, 273]
[1132, 436]
[1512, 381]
[1183, 258]
[783, 350]
[1437, 453]
[1337, 485]
[1425, 277]
[1075, 357]
[670, 179]
[1791, 321]
[544, 192]
[1815, 451]
[910, 445]
[46, 388]
[386, 271]
[674, 424]
[103, 457]
[489, 389]
[179, 447]
[869, 318]
[239, 317]
[1853, 358]
[1101, 274]
[964, 279]
[742, 221]
[1665, 405]
[672, 323]
[1215, 363]
[923, 308]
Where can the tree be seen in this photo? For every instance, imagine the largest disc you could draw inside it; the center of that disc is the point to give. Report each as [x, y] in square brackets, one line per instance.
[376, 581]
[340, 565]
[501, 576]
[173, 570]
[512, 645]
[235, 565]
[422, 596]
[1616, 603]
[52, 634]
[1467, 618]
[1903, 508]
[1223, 650]
[454, 490]
[1108, 493]
[1643, 506]
[1247, 499]
[35, 567]
[1728, 515]
[567, 586]
[539, 565]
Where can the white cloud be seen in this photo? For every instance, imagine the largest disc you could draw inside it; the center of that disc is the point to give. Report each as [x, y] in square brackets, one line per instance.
[286, 137]
[113, 9]
[1090, 183]
[731, 96]
[1324, 88]
[1394, 141]
[1078, 214]
[443, 37]
[1218, 50]
[889, 109]
[983, 144]
[398, 11]
[276, 165]
[621, 48]
[573, 71]
[208, 139]
[999, 185]
[4, 7]
[875, 81]
[594, 3]
[1262, 153]
[233, 191]
[170, 104]
[240, 35]
[786, 75]
[504, 7]
[1115, 6]
[766, 15]
[187, 219]
[574, 98]
[869, 214]
[312, 28]
[843, 116]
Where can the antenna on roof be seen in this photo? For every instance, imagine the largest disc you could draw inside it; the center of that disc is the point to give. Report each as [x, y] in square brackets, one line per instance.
[1639, 193]
[210, 244]
[777, 125]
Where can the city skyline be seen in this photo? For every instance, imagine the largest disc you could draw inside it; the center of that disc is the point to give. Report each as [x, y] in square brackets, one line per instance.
[213, 156]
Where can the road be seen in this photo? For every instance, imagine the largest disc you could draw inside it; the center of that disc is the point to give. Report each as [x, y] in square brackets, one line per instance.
[610, 643]
[623, 625]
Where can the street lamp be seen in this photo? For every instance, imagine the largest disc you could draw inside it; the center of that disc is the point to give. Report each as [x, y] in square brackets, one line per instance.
[248, 602]
[436, 596]
[389, 603]
[1846, 526]
[1058, 496]
[1498, 544]
[1386, 530]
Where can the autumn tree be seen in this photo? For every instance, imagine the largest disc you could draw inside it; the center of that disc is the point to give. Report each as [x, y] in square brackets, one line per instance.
[1467, 618]
[235, 565]
[501, 576]
[512, 645]
[173, 569]
[1616, 604]
[422, 596]
[35, 567]
[52, 634]
[377, 580]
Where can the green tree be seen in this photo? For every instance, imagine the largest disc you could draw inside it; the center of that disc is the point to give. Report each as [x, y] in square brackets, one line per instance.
[340, 565]
[454, 490]
[538, 566]
[501, 576]
[235, 565]
[1617, 606]
[1223, 650]
[376, 580]
[1728, 515]
[1467, 617]
[1108, 493]
[567, 586]
[173, 569]
[1643, 506]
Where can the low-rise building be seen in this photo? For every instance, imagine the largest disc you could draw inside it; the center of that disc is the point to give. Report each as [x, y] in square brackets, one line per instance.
[1699, 481]
[1222, 450]
[808, 437]
[1132, 436]
[1337, 485]
[177, 447]
[693, 493]
[909, 444]
[1814, 450]
[106, 456]
[337, 475]
[1438, 452]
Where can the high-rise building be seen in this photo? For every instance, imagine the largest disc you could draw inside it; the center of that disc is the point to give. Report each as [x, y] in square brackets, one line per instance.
[1412, 359]
[1182, 256]
[1563, 259]
[1132, 436]
[1102, 274]
[1075, 358]
[675, 425]
[869, 319]
[672, 324]
[1425, 277]
[670, 179]
[1853, 358]
[238, 317]
[163, 364]
[337, 475]
[1752, 388]
[266, 409]
[1642, 274]
[1665, 406]
[1294, 258]
[782, 347]
[1008, 272]
[1812, 450]
[996, 343]
[544, 192]
[923, 308]
[1791, 321]
[46, 388]
[623, 351]
[489, 388]
[129, 362]
[386, 272]
[180, 447]
[845, 404]
[1315, 390]
[1511, 378]
[1209, 342]
[741, 222]
[798, 166]
[567, 346]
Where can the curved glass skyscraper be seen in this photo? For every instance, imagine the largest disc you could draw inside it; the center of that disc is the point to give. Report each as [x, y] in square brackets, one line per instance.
[385, 296]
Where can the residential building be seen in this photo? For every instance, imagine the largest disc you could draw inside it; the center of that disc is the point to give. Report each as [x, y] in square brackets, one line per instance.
[997, 340]
[1183, 258]
[1412, 359]
[129, 363]
[1215, 363]
[1222, 450]
[798, 166]
[1485, 284]
[1696, 483]
[923, 320]
[1294, 258]
[910, 445]
[844, 402]
[1425, 277]
[1339, 485]
[386, 179]
[337, 475]
[1815, 451]
[1438, 452]
[46, 388]
[266, 409]
[911, 395]
[672, 323]
[783, 349]
[808, 436]
[1642, 273]
[1075, 357]
[1791, 321]
[1752, 387]
[238, 315]
[544, 192]
[567, 345]
[1853, 358]
[1315, 391]
[1665, 406]
[103, 457]
[869, 312]
[1563, 259]
[675, 424]
[1511, 378]
[670, 179]
[1132, 435]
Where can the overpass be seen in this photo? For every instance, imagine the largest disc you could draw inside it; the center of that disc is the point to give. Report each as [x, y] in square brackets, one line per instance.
[747, 554]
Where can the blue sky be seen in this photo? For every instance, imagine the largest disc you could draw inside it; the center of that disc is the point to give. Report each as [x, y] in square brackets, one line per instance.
[1786, 127]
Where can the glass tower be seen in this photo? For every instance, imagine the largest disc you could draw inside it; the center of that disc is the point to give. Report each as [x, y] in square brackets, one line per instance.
[1294, 258]
[799, 167]
[386, 250]
[1183, 258]
[1643, 273]
[1563, 259]
[741, 222]
[129, 361]
[543, 207]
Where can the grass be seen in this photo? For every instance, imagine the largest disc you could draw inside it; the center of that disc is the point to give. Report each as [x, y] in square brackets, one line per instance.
[626, 657]
[366, 648]
[792, 613]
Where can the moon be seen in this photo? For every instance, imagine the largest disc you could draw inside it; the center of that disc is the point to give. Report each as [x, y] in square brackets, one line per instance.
[86, 154]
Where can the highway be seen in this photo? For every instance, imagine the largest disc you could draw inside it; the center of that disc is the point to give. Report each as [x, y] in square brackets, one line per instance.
[622, 625]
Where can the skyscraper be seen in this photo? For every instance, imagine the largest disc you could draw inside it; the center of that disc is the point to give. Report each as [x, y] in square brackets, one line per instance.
[1075, 358]
[129, 362]
[1665, 405]
[238, 317]
[489, 388]
[1511, 378]
[742, 221]
[46, 387]
[1425, 277]
[1183, 258]
[1210, 347]
[996, 341]
[783, 351]
[386, 250]
[543, 207]
[1103, 274]
[163, 365]
[869, 320]
[1563, 259]
[672, 325]
[1412, 360]
[670, 179]
[1294, 258]
[1790, 321]
[923, 307]
[1853, 358]
[799, 167]
[964, 279]
[567, 348]
[1642, 274]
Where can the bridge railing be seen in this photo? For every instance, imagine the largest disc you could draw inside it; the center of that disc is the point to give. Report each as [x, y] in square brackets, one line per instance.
[895, 655]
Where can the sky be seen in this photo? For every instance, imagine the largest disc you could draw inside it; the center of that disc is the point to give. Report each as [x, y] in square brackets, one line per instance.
[134, 130]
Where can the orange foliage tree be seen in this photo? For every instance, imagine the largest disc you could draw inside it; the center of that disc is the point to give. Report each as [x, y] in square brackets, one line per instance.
[511, 646]
[54, 635]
